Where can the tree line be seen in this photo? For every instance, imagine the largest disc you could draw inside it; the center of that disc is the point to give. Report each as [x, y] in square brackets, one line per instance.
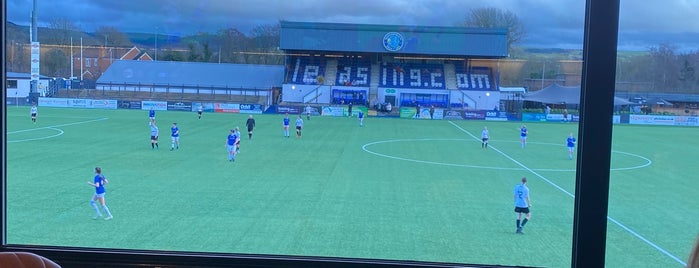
[661, 68]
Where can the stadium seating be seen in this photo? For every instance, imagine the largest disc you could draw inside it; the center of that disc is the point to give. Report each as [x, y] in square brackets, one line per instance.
[412, 75]
[304, 70]
[353, 73]
[474, 78]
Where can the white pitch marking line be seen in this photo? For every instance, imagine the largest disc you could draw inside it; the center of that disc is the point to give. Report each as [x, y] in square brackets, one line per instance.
[55, 126]
[573, 196]
[60, 132]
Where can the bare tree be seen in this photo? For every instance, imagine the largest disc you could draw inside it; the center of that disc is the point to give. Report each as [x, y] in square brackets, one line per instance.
[56, 63]
[62, 29]
[490, 17]
[265, 40]
[667, 69]
[232, 43]
[113, 37]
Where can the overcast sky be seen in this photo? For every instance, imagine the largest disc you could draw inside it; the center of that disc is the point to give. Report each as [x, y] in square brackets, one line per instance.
[548, 23]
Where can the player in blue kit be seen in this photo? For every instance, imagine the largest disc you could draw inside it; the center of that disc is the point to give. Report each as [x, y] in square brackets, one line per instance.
[523, 135]
[285, 124]
[174, 137]
[151, 114]
[522, 204]
[154, 132]
[99, 183]
[360, 115]
[231, 142]
[571, 145]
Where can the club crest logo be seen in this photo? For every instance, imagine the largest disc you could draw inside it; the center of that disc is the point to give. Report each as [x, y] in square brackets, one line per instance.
[393, 41]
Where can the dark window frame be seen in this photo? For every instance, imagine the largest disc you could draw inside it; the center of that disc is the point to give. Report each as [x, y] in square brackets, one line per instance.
[592, 177]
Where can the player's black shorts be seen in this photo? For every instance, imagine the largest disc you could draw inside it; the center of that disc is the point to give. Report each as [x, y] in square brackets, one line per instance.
[298, 128]
[485, 139]
[250, 129]
[521, 210]
[199, 112]
[33, 114]
[154, 138]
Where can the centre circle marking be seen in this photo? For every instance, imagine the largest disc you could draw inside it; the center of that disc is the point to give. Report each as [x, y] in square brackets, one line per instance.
[58, 130]
[365, 147]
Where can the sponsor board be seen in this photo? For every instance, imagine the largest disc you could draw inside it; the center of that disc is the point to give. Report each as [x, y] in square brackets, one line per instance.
[77, 103]
[226, 107]
[250, 109]
[453, 115]
[206, 106]
[334, 111]
[315, 111]
[474, 115]
[156, 105]
[495, 116]
[288, 109]
[179, 106]
[53, 102]
[642, 119]
[554, 117]
[102, 104]
[129, 105]
[533, 117]
[687, 121]
[407, 112]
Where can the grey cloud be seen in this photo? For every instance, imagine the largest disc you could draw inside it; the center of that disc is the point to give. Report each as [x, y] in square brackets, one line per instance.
[549, 23]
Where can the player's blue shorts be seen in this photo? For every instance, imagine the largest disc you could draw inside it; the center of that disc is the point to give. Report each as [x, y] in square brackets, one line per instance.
[230, 148]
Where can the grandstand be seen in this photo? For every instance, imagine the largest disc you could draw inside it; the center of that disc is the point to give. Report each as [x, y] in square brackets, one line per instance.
[401, 65]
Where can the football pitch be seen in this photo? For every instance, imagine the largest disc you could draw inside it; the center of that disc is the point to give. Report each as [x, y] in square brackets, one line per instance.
[394, 189]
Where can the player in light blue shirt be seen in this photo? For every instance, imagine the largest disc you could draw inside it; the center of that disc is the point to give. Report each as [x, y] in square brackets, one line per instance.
[484, 138]
[522, 204]
[154, 132]
[99, 183]
[174, 137]
[299, 126]
[231, 142]
[523, 135]
[285, 124]
[571, 145]
[360, 115]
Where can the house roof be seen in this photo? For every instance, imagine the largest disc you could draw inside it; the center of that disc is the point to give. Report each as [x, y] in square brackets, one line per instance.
[23, 75]
[248, 76]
